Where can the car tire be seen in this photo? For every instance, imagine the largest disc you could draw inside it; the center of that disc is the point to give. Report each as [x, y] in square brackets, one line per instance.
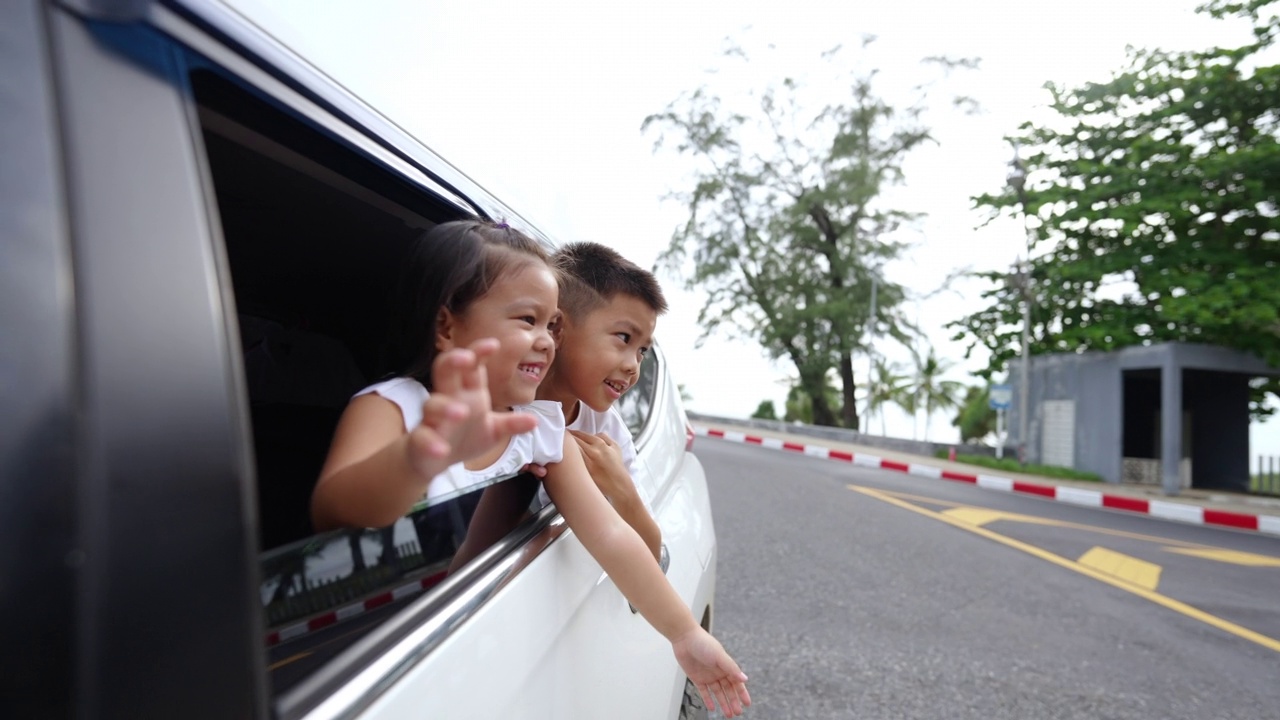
[692, 707]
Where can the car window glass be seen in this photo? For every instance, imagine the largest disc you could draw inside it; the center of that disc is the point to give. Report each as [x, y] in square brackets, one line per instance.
[637, 403]
[315, 234]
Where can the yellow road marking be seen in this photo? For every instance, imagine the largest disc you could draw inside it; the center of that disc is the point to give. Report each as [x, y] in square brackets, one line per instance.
[281, 663]
[975, 515]
[1167, 602]
[1234, 557]
[1127, 568]
[1031, 519]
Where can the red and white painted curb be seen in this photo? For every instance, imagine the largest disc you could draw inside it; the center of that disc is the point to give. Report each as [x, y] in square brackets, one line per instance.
[1180, 512]
[333, 617]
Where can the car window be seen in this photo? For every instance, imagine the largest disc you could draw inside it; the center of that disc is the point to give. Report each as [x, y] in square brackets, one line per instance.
[636, 405]
[314, 235]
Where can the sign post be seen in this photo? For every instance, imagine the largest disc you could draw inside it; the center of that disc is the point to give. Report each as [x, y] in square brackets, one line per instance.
[999, 398]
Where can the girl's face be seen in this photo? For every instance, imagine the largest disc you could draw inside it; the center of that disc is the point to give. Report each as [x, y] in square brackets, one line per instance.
[519, 311]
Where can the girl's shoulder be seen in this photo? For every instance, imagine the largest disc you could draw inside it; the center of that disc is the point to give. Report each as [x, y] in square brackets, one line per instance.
[547, 437]
[407, 393]
[395, 386]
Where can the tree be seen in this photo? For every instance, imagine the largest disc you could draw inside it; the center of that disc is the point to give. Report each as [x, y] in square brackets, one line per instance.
[765, 411]
[685, 396]
[975, 418]
[799, 406]
[784, 227]
[889, 385]
[929, 392]
[1152, 201]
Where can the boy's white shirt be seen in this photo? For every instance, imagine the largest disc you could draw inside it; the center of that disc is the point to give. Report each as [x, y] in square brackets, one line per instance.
[609, 422]
[543, 445]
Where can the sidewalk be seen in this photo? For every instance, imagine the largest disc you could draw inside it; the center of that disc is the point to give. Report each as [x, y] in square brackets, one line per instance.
[1206, 507]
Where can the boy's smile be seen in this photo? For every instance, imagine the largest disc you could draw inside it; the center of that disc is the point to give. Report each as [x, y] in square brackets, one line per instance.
[599, 355]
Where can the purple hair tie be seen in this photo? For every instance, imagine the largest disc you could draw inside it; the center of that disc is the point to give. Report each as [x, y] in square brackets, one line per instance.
[503, 225]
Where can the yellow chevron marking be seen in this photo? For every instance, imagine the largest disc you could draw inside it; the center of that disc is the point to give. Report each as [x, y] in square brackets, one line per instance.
[1175, 605]
[974, 515]
[1128, 568]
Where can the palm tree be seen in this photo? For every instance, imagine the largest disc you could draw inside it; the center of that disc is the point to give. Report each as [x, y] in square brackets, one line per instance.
[929, 391]
[889, 384]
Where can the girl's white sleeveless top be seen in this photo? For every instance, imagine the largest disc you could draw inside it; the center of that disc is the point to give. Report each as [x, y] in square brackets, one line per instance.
[543, 445]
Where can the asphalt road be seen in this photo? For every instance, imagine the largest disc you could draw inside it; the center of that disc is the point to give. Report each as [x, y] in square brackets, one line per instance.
[847, 592]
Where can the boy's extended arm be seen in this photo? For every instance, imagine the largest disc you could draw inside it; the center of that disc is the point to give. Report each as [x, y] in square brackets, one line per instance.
[603, 459]
[619, 550]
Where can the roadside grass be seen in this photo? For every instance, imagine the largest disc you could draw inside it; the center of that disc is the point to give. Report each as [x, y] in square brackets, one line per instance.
[1264, 484]
[1013, 466]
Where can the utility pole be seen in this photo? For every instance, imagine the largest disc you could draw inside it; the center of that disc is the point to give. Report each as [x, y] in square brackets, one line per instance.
[1025, 371]
[1018, 182]
[871, 356]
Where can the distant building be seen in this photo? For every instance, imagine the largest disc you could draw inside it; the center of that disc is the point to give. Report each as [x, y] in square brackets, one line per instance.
[1175, 414]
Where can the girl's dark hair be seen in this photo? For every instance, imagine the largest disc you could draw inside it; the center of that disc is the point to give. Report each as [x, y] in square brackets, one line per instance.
[449, 266]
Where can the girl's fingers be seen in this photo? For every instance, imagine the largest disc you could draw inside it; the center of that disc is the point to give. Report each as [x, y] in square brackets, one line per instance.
[728, 707]
[440, 409]
[476, 378]
[484, 347]
[513, 423]
[449, 368]
[731, 693]
[707, 699]
[427, 443]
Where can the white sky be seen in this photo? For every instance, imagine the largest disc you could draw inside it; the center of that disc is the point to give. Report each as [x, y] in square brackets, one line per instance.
[542, 104]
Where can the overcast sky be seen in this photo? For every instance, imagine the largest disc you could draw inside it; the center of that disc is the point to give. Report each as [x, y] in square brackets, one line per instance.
[542, 104]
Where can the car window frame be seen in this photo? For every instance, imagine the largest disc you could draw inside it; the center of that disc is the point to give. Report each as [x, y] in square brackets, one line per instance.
[120, 108]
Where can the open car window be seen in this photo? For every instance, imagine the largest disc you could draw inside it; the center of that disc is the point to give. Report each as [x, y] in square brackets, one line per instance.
[315, 233]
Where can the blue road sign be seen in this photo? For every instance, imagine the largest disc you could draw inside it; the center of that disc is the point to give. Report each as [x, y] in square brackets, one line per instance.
[1000, 397]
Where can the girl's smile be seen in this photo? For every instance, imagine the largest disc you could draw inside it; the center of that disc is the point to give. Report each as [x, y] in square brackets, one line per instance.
[518, 310]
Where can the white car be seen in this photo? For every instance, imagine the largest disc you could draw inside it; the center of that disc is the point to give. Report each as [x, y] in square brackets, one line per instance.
[199, 235]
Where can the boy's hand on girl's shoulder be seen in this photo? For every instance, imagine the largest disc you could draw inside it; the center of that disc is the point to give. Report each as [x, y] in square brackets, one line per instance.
[458, 420]
[603, 458]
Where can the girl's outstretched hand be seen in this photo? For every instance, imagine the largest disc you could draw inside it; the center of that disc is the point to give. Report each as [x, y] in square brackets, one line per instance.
[458, 420]
[718, 678]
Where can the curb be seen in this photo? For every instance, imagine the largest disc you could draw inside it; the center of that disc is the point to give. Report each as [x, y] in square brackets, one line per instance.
[1193, 514]
[333, 617]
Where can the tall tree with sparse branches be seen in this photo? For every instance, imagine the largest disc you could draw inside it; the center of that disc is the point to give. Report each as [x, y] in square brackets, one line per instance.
[785, 226]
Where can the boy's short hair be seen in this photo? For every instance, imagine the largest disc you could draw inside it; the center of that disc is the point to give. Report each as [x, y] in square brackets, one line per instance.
[591, 274]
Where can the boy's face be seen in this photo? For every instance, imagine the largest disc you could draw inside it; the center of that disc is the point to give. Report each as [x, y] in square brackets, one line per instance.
[599, 356]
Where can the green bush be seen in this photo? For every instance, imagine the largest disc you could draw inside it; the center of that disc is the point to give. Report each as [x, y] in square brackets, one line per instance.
[1013, 466]
[765, 411]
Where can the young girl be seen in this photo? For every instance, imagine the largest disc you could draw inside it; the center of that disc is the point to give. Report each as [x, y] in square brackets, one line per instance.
[445, 423]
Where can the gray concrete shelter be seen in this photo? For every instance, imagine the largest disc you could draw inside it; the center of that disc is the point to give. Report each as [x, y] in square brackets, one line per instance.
[1106, 412]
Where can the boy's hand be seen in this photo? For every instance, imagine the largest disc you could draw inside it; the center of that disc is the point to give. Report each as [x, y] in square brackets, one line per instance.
[603, 458]
[458, 421]
[718, 678]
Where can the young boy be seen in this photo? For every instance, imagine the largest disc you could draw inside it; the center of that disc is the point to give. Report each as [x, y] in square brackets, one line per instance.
[610, 308]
